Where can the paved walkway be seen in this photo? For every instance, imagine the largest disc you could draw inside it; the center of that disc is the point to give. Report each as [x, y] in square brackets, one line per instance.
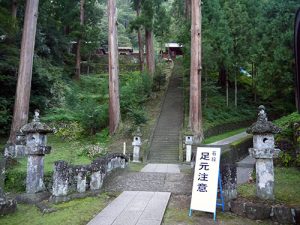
[134, 208]
[231, 139]
[161, 168]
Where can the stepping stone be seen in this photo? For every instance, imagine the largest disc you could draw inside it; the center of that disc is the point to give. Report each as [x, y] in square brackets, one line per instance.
[134, 208]
[161, 168]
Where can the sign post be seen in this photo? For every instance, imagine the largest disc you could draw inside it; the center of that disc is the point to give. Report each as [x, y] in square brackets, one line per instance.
[206, 178]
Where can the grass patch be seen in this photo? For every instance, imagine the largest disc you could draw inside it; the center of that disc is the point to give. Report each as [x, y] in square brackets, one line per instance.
[287, 189]
[135, 167]
[76, 212]
[223, 136]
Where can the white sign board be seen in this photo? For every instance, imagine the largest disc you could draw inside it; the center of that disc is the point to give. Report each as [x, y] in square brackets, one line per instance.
[205, 185]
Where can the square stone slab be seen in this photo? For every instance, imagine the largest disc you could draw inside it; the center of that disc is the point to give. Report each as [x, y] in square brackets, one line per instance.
[161, 168]
[134, 208]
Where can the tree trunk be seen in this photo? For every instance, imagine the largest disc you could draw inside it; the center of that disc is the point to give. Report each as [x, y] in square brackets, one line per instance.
[150, 52]
[140, 40]
[196, 67]
[254, 80]
[222, 77]
[114, 101]
[21, 108]
[227, 91]
[14, 8]
[297, 57]
[78, 46]
[235, 87]
[188, 9]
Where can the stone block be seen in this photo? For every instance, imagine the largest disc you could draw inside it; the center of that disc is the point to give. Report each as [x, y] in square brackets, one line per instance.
[238, 207]
[8, 207]
[229, 181]
[282, 214]
[297, 216]
[257, 211]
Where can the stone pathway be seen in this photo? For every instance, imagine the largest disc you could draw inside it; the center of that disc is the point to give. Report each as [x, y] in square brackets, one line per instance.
[134, 208]
[231, 139]
[161, 168]
[145, 194]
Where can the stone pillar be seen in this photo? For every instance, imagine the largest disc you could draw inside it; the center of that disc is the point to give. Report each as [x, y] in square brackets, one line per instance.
[264, 151]
[80, 172]
[136, 143]
[36, 141]
[229, 181]
[60, 179]
[188, 148]
[96, 176]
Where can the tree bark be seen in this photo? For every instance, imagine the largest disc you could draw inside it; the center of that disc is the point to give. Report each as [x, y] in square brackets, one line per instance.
[78, 46]
[235, 88]
[196, 69]
[140, 40]
[114, 101]
[14, 8]
[227, 91]
[21, 107]
[150, 52]
[188, 9]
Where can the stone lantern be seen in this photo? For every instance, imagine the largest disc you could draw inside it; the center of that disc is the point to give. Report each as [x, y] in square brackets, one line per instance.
[36, 148]
[136, 143]
[264, 151]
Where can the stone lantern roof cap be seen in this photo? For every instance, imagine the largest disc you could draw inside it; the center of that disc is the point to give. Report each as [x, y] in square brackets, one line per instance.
[138, 132]
[36, 126]
[262, 125]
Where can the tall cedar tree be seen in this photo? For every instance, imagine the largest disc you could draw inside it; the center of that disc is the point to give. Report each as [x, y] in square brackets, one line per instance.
[21, 108]
[196, 67]
[114, 100]
[78, 46]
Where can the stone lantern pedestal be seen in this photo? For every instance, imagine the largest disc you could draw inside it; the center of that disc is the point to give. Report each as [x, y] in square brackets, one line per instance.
[264, 151]
[136, 143]
[36, 141]
[188, 147]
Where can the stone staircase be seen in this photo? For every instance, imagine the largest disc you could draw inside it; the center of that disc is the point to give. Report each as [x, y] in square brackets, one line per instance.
[165, 142]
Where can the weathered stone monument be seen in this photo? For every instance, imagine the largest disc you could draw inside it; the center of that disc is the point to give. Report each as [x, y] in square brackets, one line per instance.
[264, 151]
[136, 143]
[36, 148]
[60, 179]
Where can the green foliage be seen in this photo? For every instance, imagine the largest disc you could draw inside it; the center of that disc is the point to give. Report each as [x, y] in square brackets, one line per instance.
[93, 151]
[135, 90]
[69, 131]
[285, 159]
[159, 79]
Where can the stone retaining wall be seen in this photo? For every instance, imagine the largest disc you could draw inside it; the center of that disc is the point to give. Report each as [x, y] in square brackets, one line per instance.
[80, 178]
[222, 128]
[262, 211]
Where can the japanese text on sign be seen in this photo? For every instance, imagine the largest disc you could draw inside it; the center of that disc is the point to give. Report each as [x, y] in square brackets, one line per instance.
[205, 183]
